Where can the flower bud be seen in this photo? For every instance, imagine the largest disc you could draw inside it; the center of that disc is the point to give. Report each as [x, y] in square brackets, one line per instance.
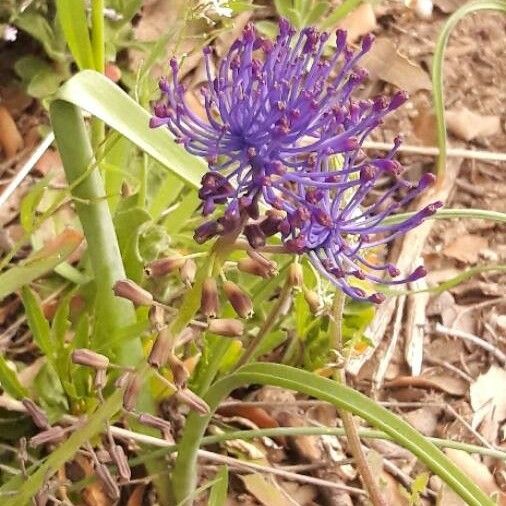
[38, 416]
[52, 435]
[108, 481]
[240, 300]
[295, 275]
[255, 235]
[209, 300]
[193, 401]
[131, 392]
[163, 266]
[186, 335]
[100, 379]
[188, 271]
[179, 372]
[160, 350]
[226, 327]
[118, 456]
[162, 425]
[254, 267]
[127, 289]
[89, 358]
[312, 300]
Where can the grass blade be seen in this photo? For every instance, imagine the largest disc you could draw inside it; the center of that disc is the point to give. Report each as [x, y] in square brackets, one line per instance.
[72, 17]
[9, 381]
[39, 263]
[437, 70]
[340, 396]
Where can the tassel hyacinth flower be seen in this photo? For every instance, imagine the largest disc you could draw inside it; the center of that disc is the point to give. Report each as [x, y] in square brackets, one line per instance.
[284, 133]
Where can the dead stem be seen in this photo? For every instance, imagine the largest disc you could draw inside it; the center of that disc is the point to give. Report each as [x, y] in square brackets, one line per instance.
[350, 429]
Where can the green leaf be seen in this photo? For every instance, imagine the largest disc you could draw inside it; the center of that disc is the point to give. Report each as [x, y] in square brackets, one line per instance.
[26, 488]
[437, 69]
[218, 494]
[29, 204]
[316, 13]
[9, 381]
[44, 83]
[38, 323]
[72, 18]
[343, 397]
[38, 27]
[99, 96]
[39, 263]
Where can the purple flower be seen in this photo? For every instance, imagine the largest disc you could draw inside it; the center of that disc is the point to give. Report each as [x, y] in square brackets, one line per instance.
[283, 130]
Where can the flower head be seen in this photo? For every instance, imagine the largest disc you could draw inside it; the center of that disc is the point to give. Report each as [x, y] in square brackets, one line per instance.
[284, 130]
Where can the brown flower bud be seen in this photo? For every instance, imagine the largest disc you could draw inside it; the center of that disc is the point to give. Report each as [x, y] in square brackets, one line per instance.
[188, 271]
[295, 275]
[193, 401]
[131, 392]
[226, 327]
[255, 235]
[312, 300]
[127, 289]
[122, 380]
[90, 358]
[118, 456]
[100, 379]
[186, 335]
[160, 350]
[162, 425]
[163, 266]
[38, 416]
[52, 435]
[240, 300]
[209, 301]
[110, 484]
[252, 266]
[179, 372]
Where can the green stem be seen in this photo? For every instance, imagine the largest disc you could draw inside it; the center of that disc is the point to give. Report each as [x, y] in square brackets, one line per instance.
[269, 322]
[350, 429]
[98, 49]
[185, 471]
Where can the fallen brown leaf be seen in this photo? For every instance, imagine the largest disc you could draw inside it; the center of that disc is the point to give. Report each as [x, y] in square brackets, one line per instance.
[466, 248]
[468, 125]
[10, 139]
[383, 61]
[488, 401]
[136, 496]
[258, 416]
[358, 22]
[444, 383]
[478, 472]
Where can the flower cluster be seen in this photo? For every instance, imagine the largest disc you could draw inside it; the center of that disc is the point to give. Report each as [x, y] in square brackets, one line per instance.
[284, 133]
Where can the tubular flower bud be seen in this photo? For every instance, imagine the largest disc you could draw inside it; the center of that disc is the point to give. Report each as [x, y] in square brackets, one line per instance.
[188, 271]
[254, 267]
[160, 351]
[226, 327]
[127, 289]
[240, 300]
[164, 266]
[119, 458]
[295, 275]
[131, 393]
[312, 300]
[110, 484]
[52, 435]
[179, 372]
[209, 302]
[284, 131]
[90, 358]
[162, 425]
[36, 413]
[193, 401]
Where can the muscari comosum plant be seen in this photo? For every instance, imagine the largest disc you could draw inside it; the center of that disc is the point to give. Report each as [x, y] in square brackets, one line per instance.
[282, 136]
